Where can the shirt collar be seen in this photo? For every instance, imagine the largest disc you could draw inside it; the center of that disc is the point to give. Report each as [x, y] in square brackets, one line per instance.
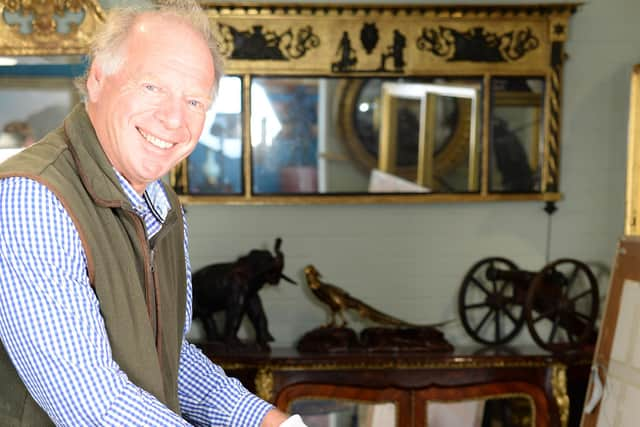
[154, 199]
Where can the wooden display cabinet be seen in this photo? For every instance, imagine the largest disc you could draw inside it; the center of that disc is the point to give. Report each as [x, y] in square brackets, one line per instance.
[553, 385]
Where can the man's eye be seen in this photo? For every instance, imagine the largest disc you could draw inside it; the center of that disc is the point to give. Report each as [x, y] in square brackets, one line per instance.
[150, 87]
[196, 104]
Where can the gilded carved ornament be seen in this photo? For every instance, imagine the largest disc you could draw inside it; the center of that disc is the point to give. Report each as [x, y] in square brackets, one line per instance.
[559, 388]
[264, 383]
[45, 36]
[387, 39]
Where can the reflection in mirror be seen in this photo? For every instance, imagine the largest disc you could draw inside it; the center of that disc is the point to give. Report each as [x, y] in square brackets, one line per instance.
[517, 134]
[436, 108]
[215, 166]
[284, 135]
[296, 148]
[359, 121]
[493, 412]
[344, 413]
[37, 93]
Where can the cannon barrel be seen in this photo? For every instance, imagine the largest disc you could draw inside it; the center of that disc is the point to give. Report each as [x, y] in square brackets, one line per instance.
[515, 276]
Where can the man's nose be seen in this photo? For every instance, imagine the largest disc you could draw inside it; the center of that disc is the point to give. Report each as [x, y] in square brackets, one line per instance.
[171, 113]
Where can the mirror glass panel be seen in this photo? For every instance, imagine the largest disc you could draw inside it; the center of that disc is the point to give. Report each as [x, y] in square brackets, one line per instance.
[344, 413]
[517, 134]
[215, 166]
[323, 136]
[284, 134]
[494, 412]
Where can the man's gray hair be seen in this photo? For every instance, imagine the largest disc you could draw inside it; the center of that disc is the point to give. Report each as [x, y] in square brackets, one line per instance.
[109, 40]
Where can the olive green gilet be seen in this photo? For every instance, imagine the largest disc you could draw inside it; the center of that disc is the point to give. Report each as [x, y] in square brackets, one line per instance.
[140, 285]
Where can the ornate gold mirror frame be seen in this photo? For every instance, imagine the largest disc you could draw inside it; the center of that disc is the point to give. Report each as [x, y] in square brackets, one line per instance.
[350, 42]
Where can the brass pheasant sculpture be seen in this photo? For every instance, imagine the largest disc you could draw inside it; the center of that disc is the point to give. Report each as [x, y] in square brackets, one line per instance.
[339, 301]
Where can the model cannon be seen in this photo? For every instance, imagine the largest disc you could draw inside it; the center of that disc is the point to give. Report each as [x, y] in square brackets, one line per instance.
[559, 303]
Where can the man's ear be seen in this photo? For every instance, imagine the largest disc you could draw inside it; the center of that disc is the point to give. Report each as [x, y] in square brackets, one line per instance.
[94, 80]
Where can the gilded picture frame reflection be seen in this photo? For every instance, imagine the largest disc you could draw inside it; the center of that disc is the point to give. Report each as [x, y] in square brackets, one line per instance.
[433, 105]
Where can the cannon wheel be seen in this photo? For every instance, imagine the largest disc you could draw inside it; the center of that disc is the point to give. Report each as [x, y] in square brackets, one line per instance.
[488, 306]
[561, 306]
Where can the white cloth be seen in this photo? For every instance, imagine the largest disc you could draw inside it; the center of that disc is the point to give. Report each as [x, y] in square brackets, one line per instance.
[293, 421]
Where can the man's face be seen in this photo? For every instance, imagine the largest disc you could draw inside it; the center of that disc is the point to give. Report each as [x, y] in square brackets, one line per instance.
[149, 114]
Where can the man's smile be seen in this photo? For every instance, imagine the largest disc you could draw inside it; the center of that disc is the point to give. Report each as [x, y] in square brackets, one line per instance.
[155, 141]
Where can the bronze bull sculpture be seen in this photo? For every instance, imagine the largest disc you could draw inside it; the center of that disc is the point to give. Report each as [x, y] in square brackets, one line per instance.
[233, 289]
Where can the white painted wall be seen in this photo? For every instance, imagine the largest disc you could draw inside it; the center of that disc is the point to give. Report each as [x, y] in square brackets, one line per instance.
[409, 260]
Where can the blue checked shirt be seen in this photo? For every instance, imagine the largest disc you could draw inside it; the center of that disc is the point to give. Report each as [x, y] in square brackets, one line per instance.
[50, 324]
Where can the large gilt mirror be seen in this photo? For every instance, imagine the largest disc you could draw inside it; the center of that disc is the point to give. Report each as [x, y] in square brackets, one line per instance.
[389, 103]
[302, 115]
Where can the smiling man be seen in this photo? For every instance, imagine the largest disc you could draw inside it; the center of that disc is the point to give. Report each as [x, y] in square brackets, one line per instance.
[148, 115]
[94, 270]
